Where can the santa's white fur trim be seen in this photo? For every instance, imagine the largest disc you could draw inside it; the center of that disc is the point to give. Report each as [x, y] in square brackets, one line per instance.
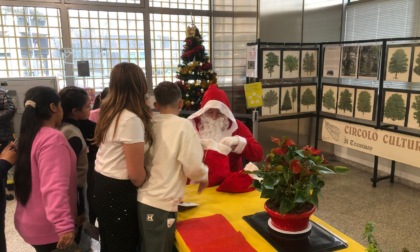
[210, 144]
[241, 145]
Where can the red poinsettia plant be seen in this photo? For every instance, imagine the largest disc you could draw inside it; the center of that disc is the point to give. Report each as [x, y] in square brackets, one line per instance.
[290, 176]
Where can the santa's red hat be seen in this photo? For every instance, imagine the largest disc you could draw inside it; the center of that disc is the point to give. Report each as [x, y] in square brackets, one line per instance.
[214, 93]
[217, 99]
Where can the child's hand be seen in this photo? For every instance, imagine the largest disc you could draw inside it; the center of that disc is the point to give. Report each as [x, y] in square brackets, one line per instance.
[65, 240]
[9, 153]
[202, 185]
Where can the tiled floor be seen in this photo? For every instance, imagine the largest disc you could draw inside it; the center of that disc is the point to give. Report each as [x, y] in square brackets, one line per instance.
[348, 202]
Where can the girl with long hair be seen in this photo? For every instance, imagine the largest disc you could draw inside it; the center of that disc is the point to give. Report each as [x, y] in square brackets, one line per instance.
[123, 133]
[45, 174]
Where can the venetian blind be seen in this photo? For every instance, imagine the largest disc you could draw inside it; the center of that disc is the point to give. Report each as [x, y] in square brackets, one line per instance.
[382, 19]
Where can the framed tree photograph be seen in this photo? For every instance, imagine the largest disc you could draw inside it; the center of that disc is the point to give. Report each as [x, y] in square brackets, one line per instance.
[369, 62]
[289, 100]
[271, 64]
[398, 63]
[414, 111]
[349, 58]
[415, 74]
[395, 108]
[331, 61]
[270, 101]
[309, 66]
[365, 103]
[307, 98]
[345, 101]
[290, 64]
[329, 99]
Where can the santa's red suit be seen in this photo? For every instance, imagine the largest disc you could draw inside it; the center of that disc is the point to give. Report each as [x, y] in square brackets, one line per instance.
[247, 147]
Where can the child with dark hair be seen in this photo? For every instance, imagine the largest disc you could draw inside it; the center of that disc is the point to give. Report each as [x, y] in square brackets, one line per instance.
[45, 174]
[175, 155]
[75, 102]
[94, 114]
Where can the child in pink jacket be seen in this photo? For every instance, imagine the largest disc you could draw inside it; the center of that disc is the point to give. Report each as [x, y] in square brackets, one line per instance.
[45, 175]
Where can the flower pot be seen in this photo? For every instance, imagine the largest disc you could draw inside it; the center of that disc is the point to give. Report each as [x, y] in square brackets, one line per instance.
[289, 223]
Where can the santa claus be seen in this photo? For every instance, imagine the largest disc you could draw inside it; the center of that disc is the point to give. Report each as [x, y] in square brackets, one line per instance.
[227, 141]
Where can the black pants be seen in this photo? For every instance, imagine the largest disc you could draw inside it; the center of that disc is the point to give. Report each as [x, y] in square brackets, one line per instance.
[45, 247]
[3, 205]
[115, 202]
[2, 216]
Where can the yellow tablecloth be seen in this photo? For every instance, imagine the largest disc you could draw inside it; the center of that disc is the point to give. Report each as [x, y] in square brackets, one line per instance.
[233, 207]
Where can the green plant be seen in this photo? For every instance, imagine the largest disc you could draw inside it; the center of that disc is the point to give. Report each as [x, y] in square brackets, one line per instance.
[368, 234]
[290, 176]
[372, 243]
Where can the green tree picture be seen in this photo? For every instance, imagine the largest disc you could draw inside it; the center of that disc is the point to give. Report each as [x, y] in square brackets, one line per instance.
[346, 101]
[416, 107]
[328, 100]
[398, 63]
[416, 69]
[395, 107]
[308, 98]
[369, 61]
[270, 99]
[294, 96]
[291, 63]
[271, 61]
[287, 103]
[349, 61]
[364, 102]
[308, 63]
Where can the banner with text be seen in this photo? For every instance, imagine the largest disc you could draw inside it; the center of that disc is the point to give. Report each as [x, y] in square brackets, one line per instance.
[394, 146]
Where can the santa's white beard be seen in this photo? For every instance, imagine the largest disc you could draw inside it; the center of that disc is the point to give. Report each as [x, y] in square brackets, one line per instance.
[215, 129]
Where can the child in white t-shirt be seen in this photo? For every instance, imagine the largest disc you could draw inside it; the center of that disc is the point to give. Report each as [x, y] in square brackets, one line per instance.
[176, 154]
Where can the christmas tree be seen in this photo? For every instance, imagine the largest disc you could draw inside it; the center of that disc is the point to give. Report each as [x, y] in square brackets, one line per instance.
[195, 73]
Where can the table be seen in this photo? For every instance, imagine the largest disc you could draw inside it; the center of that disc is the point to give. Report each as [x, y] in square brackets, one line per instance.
[233, 207]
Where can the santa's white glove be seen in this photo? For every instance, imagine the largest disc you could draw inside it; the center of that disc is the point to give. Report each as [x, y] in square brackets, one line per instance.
[232, 142]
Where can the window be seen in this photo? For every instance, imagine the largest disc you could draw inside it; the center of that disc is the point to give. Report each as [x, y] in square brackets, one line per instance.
[382, 19]
[181, 4]
[31, 41]
[104, 39]
[168, 33]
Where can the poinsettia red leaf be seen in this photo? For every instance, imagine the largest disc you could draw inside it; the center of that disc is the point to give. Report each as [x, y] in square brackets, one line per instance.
[295, 166]
[275, 140]
[315, 151]
[278, 151]
[288, 142]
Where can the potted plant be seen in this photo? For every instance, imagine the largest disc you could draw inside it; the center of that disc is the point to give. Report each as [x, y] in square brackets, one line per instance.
[290, 180]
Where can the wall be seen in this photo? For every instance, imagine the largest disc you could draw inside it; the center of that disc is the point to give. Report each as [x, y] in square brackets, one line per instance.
[300, 20]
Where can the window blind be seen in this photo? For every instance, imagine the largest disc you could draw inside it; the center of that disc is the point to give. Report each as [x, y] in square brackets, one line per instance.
[382, 19]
